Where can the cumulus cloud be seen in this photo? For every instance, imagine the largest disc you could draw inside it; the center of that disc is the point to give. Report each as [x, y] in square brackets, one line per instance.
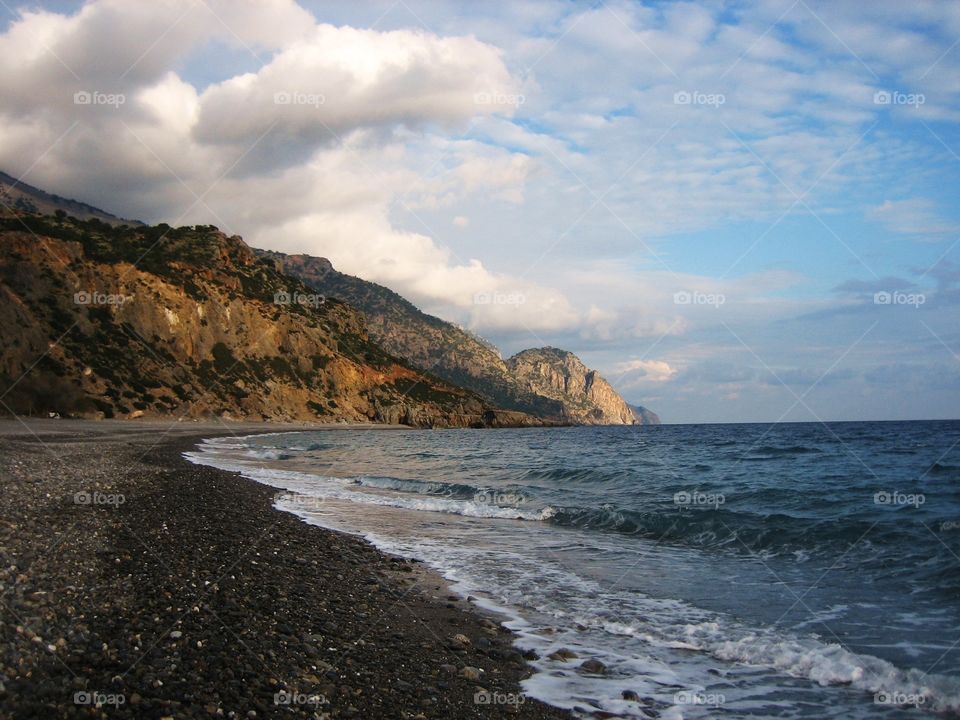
[339, 79]
[652, 370]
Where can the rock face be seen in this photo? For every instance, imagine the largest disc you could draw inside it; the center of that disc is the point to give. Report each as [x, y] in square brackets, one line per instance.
[460, 357]
[586, 397]
[427, 342]
[117, 320]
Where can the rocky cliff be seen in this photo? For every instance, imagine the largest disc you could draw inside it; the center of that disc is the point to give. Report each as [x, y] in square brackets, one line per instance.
[119, 320]
[427, 342]
[586, 397]
[464, 359]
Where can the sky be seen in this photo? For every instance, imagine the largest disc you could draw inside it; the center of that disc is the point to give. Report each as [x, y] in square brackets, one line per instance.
[735, 211]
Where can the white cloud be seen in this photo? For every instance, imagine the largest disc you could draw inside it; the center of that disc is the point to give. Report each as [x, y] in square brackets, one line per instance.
[651, 370]
[917, 217]
[338, 79]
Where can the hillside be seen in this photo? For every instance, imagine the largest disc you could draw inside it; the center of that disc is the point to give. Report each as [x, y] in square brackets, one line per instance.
[426, 341]
[19, 196]
[462, 358]
[105, 320]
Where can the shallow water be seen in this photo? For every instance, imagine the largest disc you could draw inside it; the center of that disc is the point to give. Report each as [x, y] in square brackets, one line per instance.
[739, 571]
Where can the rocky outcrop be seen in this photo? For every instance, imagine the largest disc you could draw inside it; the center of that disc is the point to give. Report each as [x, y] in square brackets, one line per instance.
[586, 397]
[454, 354]
[645, 416]
[122, 321]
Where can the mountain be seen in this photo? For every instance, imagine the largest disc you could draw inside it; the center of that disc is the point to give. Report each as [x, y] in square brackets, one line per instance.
[587, 398]
[16, 195]
[464, 359]
[427, 342]
[108, 320]
[645, 416]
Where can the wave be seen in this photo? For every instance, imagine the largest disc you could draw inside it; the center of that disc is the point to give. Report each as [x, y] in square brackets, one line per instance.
[424, 487]
[715, 527]
[811, 658]
[828, 663]
[792, 450]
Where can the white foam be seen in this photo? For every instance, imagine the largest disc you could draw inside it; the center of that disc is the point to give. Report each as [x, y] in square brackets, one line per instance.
[319, 486]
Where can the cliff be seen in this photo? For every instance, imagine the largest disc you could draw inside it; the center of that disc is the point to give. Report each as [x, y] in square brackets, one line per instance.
[119, 320]
[586, 397]
[427, 342]
[462, 358]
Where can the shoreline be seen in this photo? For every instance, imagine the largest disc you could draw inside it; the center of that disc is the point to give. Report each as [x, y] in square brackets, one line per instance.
[161, 588]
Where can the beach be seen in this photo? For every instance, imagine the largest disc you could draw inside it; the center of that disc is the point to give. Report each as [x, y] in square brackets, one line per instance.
[135, 584]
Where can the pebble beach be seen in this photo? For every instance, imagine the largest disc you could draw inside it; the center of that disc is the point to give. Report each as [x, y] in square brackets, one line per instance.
[135, 584]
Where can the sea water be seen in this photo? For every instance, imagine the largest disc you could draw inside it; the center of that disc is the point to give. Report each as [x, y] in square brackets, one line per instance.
[735, 571]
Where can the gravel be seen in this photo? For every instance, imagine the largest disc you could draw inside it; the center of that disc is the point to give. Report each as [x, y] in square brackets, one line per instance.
[134, 584]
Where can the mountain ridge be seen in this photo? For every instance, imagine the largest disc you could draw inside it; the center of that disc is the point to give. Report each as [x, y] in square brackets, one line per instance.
[458, 356]
[109, 321]
[18, 195]
[502, 392]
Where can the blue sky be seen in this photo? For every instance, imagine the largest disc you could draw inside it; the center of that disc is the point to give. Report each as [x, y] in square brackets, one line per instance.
[702, 200]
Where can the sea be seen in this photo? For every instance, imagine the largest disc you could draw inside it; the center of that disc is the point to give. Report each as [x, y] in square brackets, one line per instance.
[807, 570]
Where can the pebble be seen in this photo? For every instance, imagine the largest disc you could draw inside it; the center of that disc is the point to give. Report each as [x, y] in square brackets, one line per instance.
[593, 667]
[471, 673]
